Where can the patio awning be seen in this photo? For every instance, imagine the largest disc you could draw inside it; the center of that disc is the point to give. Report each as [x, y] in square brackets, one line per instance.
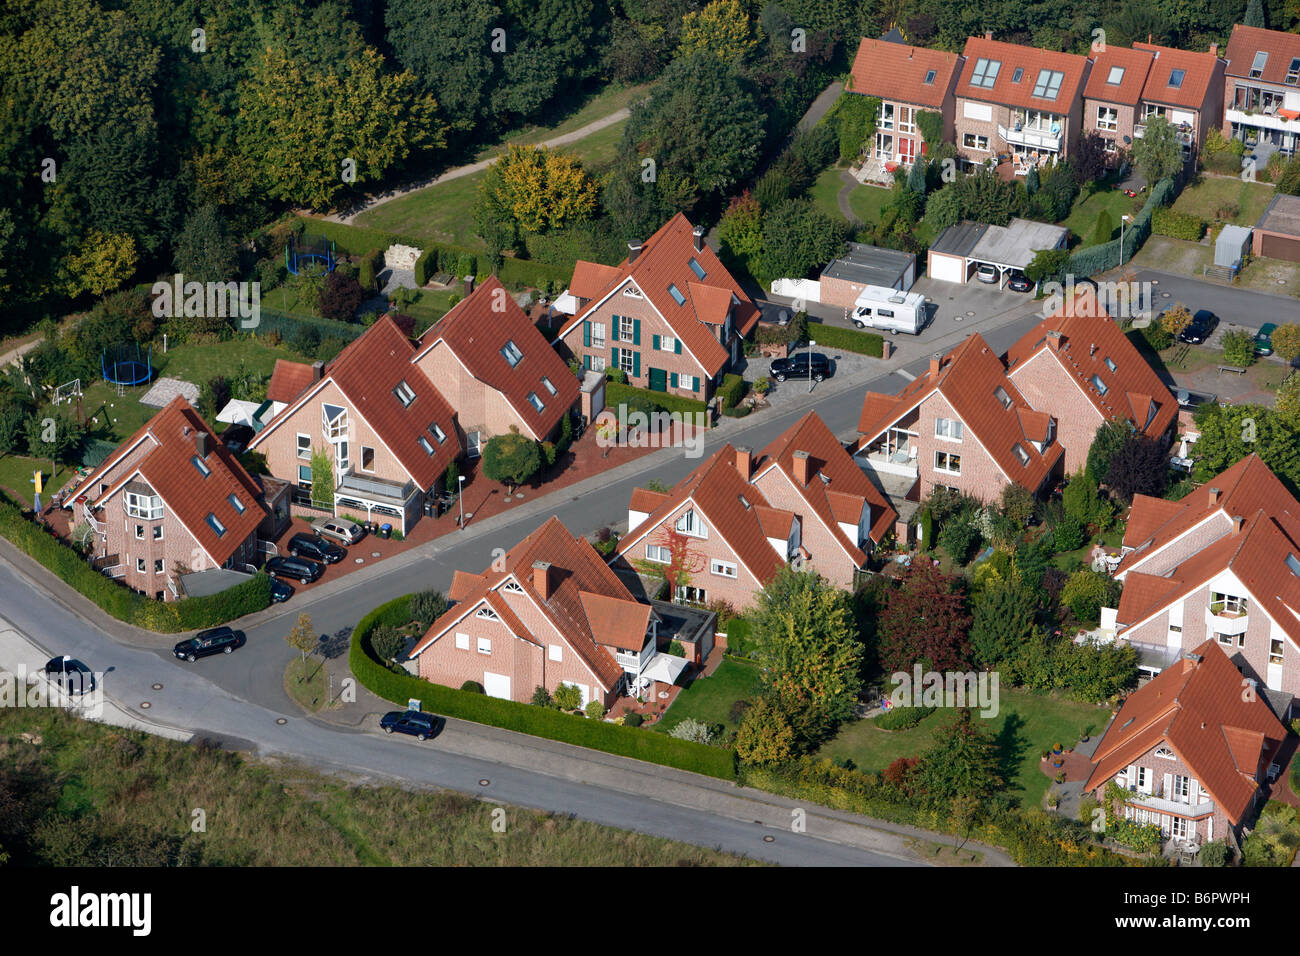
[665, 668]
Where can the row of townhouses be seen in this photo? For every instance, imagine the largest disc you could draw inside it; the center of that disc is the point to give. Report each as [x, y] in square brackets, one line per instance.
[1024, 106]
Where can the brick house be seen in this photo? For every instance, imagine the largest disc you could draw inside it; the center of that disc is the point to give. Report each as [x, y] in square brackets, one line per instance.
[1112, 97]
[1079, 352]
[962, 424]
[550, 613]
[1261, 87]
[1186, 88]
[670, 315]
[908, 80]
[1221, 564]
[172, 499]
[1018, 102]
[1190, 750]
[740, 518]
[496, 369]
[388, 431]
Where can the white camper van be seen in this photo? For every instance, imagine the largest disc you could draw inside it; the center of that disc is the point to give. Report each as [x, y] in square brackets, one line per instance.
[889, 310]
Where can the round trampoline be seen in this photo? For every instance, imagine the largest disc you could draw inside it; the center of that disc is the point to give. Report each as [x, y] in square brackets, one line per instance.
[127, 365]
[305, 250]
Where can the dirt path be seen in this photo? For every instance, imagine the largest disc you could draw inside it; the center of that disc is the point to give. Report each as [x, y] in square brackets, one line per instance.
[563, 139]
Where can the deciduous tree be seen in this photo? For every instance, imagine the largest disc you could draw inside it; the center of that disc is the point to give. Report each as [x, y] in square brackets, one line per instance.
[511, 458]
[765, 736]
[1158, 153]
[962, 764]
[1140, 467]
[722, 28]
[925, 622]
[302, 637]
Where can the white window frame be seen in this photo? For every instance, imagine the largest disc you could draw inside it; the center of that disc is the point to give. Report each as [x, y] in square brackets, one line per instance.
[598, 362]
[404, 393]
[159, 566]
[371, 469]
[949, 429]
[462, 641]
[686, 382]
[947, 457]
[597, 335]
[555, 652]
[484, 645]
[658, 554]
[304, 450]
[667, 343]
[626, 328]
[626, 360]
[975, 141]
[723, 569]
[689, 524]
[157, 532]
[1107, 118]
[139, 532]
[512, 353]
[546, 384]
[536, 402]
[146, 507]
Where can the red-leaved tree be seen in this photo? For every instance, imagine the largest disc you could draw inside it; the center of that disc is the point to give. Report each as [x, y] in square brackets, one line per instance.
[925, 622]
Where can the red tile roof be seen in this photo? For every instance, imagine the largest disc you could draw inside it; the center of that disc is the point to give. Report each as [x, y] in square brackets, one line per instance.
[1128, 91]
[288, 381]
[1088, 338]
[645, 500]
[1246, 41]
[588, 604]
[478, 328]
[168, 468]
[1146, 515]
[896, 71]
[664, 260]
[1197, 709]
[1200, 74]
[1032, 61]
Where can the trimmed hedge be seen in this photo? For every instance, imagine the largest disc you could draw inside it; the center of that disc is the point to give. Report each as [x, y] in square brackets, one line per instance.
[850, 340]
[1094, 259]
[901, 718]
[617, 394]
[289, 325]
[120, 601]
[369, 269]
[740, 412]
[1179, 225]
[732, 390]
[523, 718]
[422, 268]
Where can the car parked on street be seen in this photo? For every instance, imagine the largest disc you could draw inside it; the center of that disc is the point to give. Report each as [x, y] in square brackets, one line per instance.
[339, 529]
[418, 724]
[299, 569]
[72, 676]
[1203, 324]
[812, 365]
[280, 592]
[215, 640]
[1264, 338]
[305, 545]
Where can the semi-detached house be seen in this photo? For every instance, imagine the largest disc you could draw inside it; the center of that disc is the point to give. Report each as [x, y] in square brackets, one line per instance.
[1261, 96]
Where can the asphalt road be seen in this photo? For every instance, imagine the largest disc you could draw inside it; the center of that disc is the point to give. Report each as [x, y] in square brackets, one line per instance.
[1239, 306]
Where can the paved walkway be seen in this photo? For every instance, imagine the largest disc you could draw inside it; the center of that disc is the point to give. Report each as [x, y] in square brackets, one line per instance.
[842, 197]
[370, 202]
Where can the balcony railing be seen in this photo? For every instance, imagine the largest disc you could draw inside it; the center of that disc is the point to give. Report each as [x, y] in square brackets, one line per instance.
[1154, 656]
[1226, 622]
[1262, 120]
[1161, 804]
[1039, 139]
[376, 489]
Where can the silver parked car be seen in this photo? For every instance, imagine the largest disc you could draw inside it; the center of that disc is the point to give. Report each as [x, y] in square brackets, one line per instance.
[340, 529]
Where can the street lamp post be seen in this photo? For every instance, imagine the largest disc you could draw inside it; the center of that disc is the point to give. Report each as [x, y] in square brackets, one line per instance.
[811, 346]
[1122, 220]
[460, 499]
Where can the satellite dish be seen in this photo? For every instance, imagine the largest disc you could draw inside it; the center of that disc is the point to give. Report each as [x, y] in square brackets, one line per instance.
[783, 317]
[1183, 396]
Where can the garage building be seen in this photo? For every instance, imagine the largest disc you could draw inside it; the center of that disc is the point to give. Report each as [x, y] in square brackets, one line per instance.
[1277, 235]
[845, 278]
[961, 249]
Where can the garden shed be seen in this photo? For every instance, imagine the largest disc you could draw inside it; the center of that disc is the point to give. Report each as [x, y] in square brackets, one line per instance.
[1233, 243]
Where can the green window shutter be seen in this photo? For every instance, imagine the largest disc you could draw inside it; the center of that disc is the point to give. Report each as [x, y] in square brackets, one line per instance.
[695, 383]
[636, 364]
[613, 362]
[672, 379]
[655, 342]
[677, 346]
[586, 363]
[613, 328]
[586, 334]
[636, 331]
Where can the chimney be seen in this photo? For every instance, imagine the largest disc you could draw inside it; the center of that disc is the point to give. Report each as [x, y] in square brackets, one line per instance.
[910, 51]
[1214, 497]
[468, 282]
[633, 250]
[745, 461]
[802, 468]
[1237, 522]
[542, 579]
[1214, 49]
[1054, 340]
[317, 371]
[201, 444]
[1092, 348]
[698, 235]
[988, 34]
[935, 361]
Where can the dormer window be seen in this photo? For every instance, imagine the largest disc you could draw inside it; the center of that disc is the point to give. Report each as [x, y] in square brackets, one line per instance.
[405, 394]
[334, 422]
[510, 352]
[149, 507]
[690, 524]
[487, 614]
[201, 466]
[676, 293]
[512, 587]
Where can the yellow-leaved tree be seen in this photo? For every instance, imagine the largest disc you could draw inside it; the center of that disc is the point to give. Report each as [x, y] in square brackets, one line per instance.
[722, 28]
[102, 262]
[541, 188]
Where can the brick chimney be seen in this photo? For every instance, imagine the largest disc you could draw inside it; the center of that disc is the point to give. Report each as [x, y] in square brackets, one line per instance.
[317, 371]
[802, 468]
[201, 444]
[988, 34]
[1214, 49]
[1054, 340]
[633, 250]
[468, 282]
[1238, 522]
[542, 579]
[1214, 497]
[698, 236]
[935, 361]
[745, 461]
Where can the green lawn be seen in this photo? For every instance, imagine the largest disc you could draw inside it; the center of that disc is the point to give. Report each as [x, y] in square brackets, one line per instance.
[1026, 725]
[1082, 220]
[709, 699]
[1240, 203]
[16, 477]
[1107, 539]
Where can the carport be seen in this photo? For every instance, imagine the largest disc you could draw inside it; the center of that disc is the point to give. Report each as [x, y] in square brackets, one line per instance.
[1011, 248]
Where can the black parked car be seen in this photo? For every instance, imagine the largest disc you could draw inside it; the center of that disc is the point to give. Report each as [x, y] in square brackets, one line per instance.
[1018, 282]
[318, 549]
[215, 640]
[413, 722]
[280, 592]
[71, 675]
[797, 366]
[300, 569]
[1198, 330]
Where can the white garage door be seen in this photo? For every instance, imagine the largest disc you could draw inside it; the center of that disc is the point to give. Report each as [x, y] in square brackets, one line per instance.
[586, 691]
[496, 685]
[947, 268]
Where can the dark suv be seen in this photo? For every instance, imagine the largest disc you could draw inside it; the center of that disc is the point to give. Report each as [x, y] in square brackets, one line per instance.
[300, 569]
[215, 640]
[417, 724]
[318, 549]
[71, 675]
[1198, 330]
[797, 366]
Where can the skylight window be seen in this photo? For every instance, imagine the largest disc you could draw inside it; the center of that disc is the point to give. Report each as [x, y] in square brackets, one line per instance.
[1293, 563]
[1022, 456]
[1293, 72]
[1257, 67]
[697, 268]
[1001, 395]
[236, 503]
[424, 443]
[676, 293]
[546, 384]
[929, 77]
[1049, 84]
[1099, 385]
[438, 434]
[201, 465]
[986, 72]
[1017, 76]
[510, 352]
[215, 524]
[1176, 78]
[405, 394]
[1110, 364]
[535, 401]
[1116, 76]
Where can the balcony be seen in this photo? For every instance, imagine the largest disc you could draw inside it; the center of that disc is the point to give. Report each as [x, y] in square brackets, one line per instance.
[1036, 139]
[894, 453]
[1185, 134]
[394, 494]
[1154, 657]
[1162, 804]
[1268, 118]
[1226, 621]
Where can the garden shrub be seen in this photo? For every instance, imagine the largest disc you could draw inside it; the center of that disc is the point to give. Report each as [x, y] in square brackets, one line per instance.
[902, 718]
[850, 340]
[732, 390]
[1179, 225]
[740, 412]
[618, 394]
[472, 687]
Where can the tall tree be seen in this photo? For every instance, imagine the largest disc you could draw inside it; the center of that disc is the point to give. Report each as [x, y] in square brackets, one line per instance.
[1158, 153]
[205, 250]
[541, 188]
[798, 237]
[925, 622]
[447, 45]
[1140, 467]
[1109, 438]
[1254, 14]
[1003, 618]
[963, 763]
[722, 28]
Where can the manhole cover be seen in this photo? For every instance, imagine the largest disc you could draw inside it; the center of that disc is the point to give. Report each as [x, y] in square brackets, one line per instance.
[1281, 282]
[769, 839]
[359, 560]
[484, 782]
[519, 496]
[971, 314]
[281, 720]
[958, 318]
[1155, 281]
[468, 515]
[1164, 295]
[145, 705]
[374, 554]
[156, 686]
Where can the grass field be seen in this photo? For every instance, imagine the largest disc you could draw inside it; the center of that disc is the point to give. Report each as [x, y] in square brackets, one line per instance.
[1214, 195]
[1082, 220]
[709, 699]
[1026, 725]
[93, 795]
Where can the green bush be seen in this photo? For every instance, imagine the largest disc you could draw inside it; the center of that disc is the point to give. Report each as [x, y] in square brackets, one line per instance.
[732, 390]
[367, 271]
[1179, 225]
[422, 266]
[1238, 347]
[738, 637]
[633, 720]
[927, 530]
[292, 328]
[850, 340]
[618, 394]
[902, 718]
[522, 718]
[253, 595]
[1214, 853]
[472, 687]
[1090, 260]
[737, 412]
